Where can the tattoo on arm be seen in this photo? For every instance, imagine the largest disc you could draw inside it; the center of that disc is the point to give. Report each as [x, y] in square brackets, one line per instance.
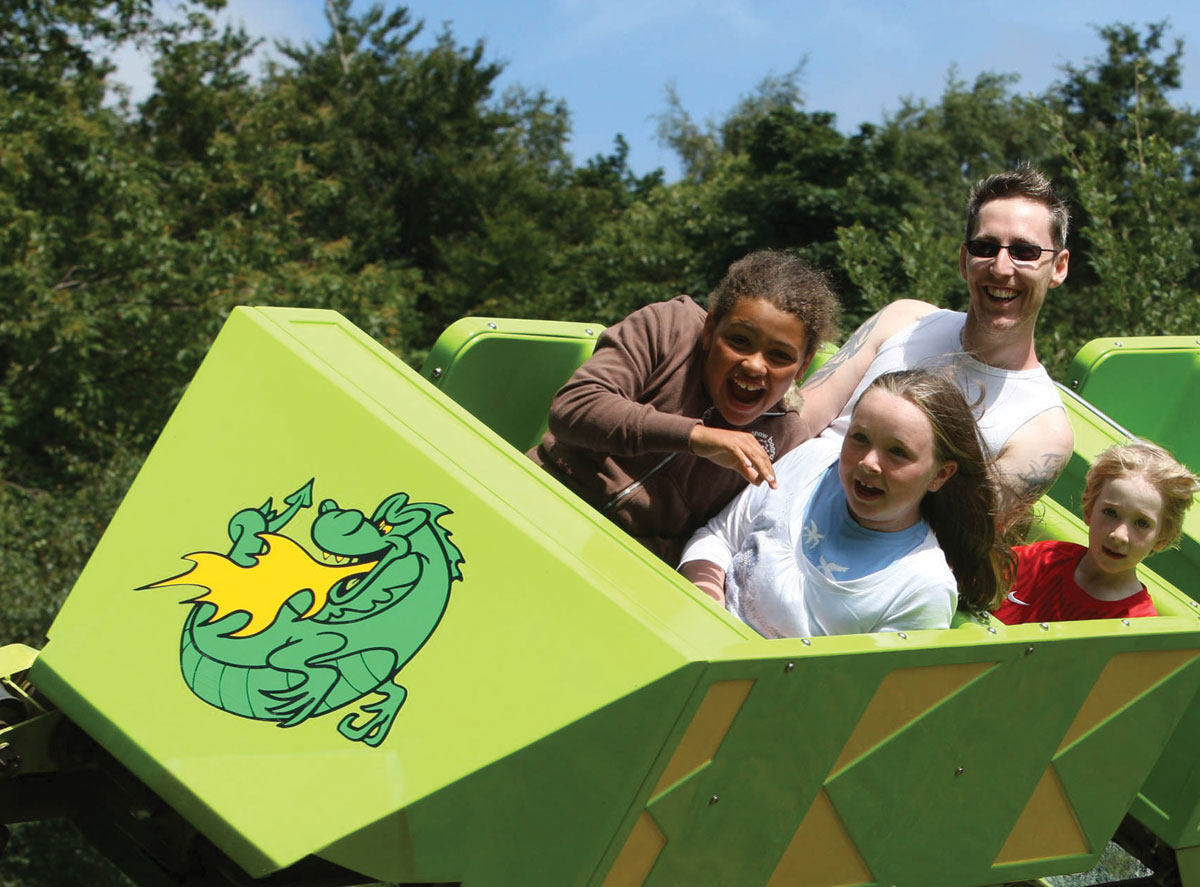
[1040, 475]
[853, 345]
[1020, 490]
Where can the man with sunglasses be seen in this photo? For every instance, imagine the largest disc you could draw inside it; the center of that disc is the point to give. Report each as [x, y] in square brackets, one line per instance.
[1015, 251]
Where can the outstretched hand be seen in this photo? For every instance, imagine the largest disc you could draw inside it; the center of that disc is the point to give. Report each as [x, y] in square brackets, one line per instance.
[738, 451]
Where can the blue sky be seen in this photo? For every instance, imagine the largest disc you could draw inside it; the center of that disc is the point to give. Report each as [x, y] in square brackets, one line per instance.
[611, 61]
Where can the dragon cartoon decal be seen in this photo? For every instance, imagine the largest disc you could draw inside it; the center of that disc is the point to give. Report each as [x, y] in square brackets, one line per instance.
[281, 636]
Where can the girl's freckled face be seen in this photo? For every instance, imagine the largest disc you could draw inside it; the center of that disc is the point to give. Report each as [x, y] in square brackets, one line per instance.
[753, 355]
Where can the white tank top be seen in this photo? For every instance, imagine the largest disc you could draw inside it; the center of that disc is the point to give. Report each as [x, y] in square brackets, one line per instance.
[1002, 400]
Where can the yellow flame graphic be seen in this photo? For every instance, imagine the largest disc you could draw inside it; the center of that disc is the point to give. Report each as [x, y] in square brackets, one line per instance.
[284, 569]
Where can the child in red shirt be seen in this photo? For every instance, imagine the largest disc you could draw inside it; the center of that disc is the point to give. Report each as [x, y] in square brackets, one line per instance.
[1133, 503]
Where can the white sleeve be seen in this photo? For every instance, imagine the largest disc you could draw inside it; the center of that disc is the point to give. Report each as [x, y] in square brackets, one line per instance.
[927, 601]
[719, 539]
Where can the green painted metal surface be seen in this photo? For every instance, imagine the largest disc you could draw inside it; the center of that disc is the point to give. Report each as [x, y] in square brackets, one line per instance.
[505, 371]
[941, 783]
[1149, 384]
[1149, 387]
[579, 715]
[530, 641]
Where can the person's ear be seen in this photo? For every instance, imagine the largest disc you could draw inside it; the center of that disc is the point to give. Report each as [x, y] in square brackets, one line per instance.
[943, 474]
[706, 334]
[804, 365]
[1061, 259]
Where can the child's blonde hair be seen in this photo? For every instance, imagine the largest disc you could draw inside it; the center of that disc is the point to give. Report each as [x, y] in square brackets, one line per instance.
[1173, 481]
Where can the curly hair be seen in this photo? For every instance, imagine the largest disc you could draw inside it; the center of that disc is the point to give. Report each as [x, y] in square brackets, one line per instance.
[1026, 182]
[962, 512]
[785, 282]
[1141, 458]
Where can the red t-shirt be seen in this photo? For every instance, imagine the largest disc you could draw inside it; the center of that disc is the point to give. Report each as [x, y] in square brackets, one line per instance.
[1045, 589]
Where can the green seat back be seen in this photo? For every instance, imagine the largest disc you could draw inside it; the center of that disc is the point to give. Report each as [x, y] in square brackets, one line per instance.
[1148, 387]
[1148, 384]
[824, 351]
[504, 371]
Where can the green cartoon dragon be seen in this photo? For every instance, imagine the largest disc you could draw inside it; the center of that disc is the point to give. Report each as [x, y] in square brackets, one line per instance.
[279, 636]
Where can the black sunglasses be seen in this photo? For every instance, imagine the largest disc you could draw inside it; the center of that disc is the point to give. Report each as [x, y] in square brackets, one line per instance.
[1019, 252]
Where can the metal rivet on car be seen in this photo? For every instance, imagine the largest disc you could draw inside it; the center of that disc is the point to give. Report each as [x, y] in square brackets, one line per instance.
[1028, 650]
[958, 771]
[1119, 343]
[806, 642]
[903, 636]
[1074, 383]
[714, 799]
[437, 372]
[991, 630]
[789, 666]
[491, 325]
[1045, 626]
[590, 331]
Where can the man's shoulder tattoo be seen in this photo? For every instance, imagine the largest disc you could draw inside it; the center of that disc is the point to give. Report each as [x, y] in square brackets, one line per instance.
[1038, 476]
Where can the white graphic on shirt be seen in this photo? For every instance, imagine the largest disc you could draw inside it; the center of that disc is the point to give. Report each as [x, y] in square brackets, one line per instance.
[1013, 597]
[812, 535]
[829, 568]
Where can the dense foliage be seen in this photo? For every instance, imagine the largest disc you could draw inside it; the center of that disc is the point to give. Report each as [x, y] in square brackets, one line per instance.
[384, 177]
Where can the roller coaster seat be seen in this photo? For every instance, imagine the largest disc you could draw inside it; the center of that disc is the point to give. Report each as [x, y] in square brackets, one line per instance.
[505, 371]
[1147, 387]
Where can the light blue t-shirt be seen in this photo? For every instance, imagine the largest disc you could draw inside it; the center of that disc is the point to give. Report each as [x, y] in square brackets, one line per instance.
[840, 547]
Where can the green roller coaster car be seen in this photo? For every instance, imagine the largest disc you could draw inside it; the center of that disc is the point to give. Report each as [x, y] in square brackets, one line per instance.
[577, 714]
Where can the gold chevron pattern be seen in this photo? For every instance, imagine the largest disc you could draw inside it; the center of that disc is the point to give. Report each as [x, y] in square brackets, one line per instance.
[822, 852]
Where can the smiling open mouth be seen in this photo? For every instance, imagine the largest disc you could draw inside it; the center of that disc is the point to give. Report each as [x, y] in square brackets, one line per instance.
[745, 392]
[866, 492]
[1000, 295]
